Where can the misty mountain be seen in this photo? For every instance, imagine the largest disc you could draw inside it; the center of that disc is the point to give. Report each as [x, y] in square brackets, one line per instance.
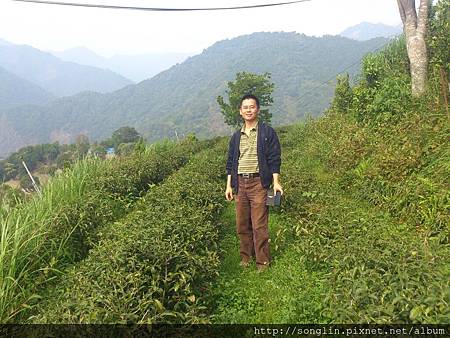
[366, 31]
[183, 98]
[17, 91]
[82, 56]
[134, 67]
[58, 77]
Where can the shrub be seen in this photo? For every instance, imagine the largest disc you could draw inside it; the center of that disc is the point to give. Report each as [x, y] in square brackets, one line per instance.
[46, 234]
[155, 265]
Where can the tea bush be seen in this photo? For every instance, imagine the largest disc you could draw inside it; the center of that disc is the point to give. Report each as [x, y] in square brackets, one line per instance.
[43, 235]
[156, 264]
[368, 191]
[366, 221]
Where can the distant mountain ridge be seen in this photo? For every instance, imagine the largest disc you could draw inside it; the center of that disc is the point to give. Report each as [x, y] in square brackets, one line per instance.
[183, 99]
[60, 78]
[135, 67]
[17, 91]
[366, 31]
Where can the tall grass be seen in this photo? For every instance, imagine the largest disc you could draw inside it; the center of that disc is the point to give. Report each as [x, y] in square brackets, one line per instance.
[26, 249]
[45, 235]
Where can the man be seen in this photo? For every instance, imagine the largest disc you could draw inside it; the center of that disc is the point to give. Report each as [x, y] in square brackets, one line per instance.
[254, 159]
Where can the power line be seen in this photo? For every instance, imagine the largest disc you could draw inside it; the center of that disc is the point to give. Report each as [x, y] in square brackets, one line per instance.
[160, 9]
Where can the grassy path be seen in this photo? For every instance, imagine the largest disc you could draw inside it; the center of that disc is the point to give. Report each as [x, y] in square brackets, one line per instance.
[288, 292]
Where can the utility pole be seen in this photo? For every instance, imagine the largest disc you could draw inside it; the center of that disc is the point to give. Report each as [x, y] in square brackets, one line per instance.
[36, 188]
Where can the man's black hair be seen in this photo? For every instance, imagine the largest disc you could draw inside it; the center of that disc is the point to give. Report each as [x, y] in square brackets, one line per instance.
[247, 97]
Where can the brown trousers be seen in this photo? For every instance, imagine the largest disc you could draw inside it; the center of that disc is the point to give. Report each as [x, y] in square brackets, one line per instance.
[252, 216]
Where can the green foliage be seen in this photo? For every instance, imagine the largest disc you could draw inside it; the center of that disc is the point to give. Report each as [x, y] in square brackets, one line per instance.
[9, 198]
[289, 292]
[139, 147]
[125, 149]
[33, 156]
[439, 35]
[364, 223]
[247, 83]
[438, 41]
[156, 264]
[342, 95]
[368, 195]
[193, 86]
[64, 223]
[82, 145]
[371, 207]
[380, 96]
[124, 135]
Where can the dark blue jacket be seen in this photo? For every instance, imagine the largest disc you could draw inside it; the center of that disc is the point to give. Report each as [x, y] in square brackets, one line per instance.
[269, 155]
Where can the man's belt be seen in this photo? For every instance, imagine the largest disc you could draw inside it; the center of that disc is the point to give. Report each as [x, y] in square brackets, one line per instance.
[249, 175]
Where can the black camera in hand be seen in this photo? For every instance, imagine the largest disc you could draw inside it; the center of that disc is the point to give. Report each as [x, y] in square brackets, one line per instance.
[273, 200]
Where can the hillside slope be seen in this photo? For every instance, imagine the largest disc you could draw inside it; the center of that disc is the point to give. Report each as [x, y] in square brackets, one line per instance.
[56, 76]
[362, 235]
[135, 67]
[182, 99]
[17, 91]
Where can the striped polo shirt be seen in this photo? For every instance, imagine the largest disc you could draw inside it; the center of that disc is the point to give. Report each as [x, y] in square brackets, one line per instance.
[248, 159]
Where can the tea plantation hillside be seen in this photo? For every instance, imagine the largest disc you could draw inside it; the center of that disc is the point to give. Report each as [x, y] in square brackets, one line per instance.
[363, 235]
[43, 236]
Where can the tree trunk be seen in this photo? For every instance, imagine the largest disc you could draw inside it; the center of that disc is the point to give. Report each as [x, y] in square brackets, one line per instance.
[415, 28]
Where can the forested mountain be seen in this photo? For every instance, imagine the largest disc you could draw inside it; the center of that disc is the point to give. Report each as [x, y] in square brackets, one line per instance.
[58, 77]
[17, 91]
[366, 31]
[134, 67]
[183, 98]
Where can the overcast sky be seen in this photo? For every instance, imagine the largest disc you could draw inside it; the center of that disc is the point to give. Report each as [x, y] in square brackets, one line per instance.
[108, 31]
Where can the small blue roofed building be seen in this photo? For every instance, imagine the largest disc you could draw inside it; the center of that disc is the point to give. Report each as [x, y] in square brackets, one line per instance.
[110, 152]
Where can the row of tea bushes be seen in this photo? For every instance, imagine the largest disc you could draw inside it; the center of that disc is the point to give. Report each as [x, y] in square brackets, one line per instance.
[156, 264]
[46, 234]
[380, 268]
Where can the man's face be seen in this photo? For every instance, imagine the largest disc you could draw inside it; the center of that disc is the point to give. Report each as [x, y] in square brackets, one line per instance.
[249, 110]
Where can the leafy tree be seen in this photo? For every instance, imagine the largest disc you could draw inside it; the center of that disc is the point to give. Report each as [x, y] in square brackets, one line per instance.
[439, 40]
[342, 95]
[82, 145]
[125, 135]
[65, 159]
[10, 170]
[51, 151]
[247, 83]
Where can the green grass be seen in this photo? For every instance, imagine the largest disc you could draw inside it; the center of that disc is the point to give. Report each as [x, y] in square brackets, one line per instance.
[289, 291]
[26, 248]
[44, 235]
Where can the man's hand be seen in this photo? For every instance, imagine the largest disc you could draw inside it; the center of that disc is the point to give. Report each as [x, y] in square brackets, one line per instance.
[229, 193]
[276, 184]
[277, 187]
